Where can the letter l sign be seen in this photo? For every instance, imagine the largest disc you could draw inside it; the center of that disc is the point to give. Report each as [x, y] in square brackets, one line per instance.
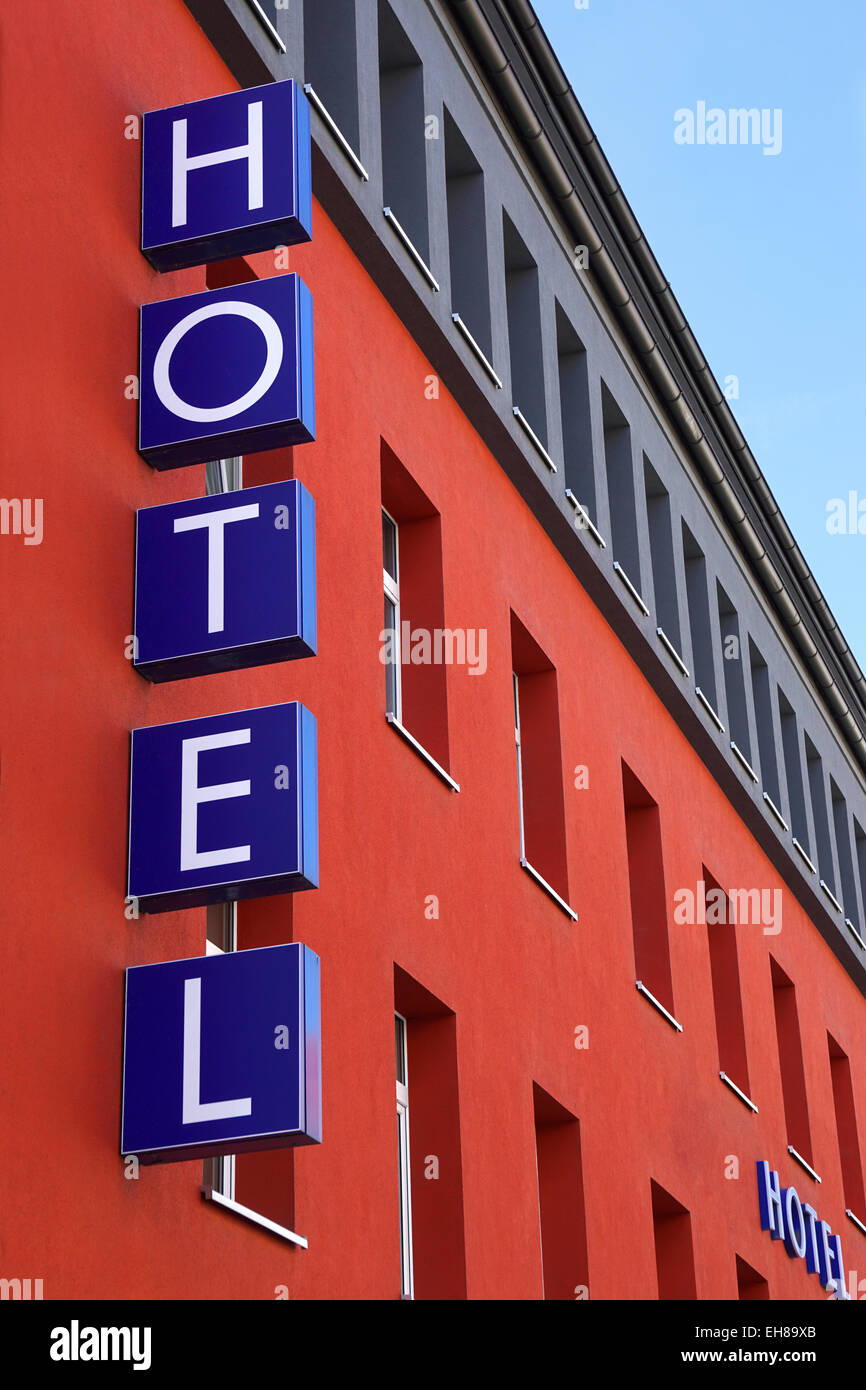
[196, 1112]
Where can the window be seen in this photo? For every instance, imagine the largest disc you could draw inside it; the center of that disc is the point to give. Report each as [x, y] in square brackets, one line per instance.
[649, 918]
[331, 61]
[794, 773]
[752, 1287]
[541, 803]
[467, 237]
[620, 489]
[224, 475]
[842, 832]
[727, 999]
[818, 798]
[791, 1062]
[575, 414]
[658, 504]
[735, 685]
[560, 1199]
[675, 1258]
[390, 578]
[846, 1130]
[523, 309]
[429, 1167]
[763, 704]
[700, 629]
[417, 647]
[403, 1173]
[404, 146]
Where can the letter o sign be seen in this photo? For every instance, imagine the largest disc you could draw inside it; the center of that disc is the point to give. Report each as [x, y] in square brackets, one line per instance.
[240, 416]
[205, 414]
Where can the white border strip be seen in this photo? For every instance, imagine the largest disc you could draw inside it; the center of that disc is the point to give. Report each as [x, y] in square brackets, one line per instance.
[648, 995]
[740, 755]
[800, 850]
[477, 349]
[776, 812]
[211, 1195]
[618, 569]
[533, 437]
[807, 1167]
[671, 651]
[737, 1092]
[590, 525]
[709, 709]
[412, 249]
[551, 892]
[422, 752]
[319, 106]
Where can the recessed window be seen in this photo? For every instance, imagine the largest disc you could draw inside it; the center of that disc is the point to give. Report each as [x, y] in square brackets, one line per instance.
[430, 1181]
[575, 413]
[658, 504]
[649, 913]
[404, 146]
[541, 803]
[842, 833]
[846, 1129]
[820, 819]
[467, 236]
[700, 630]
[562, 1216]
[675, 1256]
[763, 704]
[222, 936]
[727, 997]
[793, 772]
[417, 647]
[619, 467]
[331, 61]
[732, 664]
[791, 1061]
[752, 1287]
[524, 330]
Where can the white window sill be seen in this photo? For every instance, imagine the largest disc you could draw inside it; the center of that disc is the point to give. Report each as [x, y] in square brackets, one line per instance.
[422, 752]
[807, 1167]
[210, 1195]
[657, 1004]
[551, 892]
[737, 1092]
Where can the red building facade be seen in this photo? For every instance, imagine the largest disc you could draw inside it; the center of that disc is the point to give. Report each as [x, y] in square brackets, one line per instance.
[519, 882]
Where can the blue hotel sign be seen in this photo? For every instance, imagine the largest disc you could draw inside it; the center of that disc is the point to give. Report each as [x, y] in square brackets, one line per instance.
[806, 1237]
[223, 808]
[245, 565]
[226, 372]
[226, 176]
[222, 1054]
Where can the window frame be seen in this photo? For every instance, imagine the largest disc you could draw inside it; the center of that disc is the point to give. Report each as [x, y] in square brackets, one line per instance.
[391, 587]
[407, 1282]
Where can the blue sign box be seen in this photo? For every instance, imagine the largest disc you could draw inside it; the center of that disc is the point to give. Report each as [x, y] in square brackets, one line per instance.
[222, 1054]
[226, 176]
[243, 564]
[223, 808]
[226, 372]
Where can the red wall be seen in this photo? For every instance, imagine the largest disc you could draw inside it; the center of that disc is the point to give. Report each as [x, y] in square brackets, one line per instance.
[519, 977]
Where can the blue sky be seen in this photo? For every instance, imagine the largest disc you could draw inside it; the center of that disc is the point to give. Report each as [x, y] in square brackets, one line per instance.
[765, 253]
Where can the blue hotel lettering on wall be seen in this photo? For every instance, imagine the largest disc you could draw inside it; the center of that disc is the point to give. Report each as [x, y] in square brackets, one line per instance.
[244, 564]
[222, 1054]
[226, 372]
[226, 176]
[806, 1237]
[223, 808]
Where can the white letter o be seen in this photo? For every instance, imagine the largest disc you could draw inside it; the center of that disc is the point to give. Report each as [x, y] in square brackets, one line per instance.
[273, 341]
